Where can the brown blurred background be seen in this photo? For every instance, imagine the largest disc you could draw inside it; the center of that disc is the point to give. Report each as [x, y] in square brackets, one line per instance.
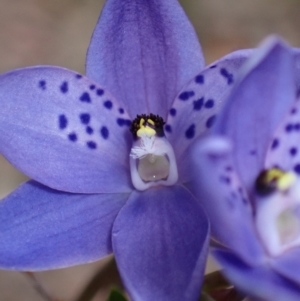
[57, 32]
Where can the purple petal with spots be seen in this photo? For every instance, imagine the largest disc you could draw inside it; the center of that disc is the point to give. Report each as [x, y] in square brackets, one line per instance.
[224, 198]
[258, 281]
[296, 52]
[196, 107]
[284, 151]
[288, 265]
[257, 104]
[45, 229]
[64, 131]
[167, 227]
[144, 52]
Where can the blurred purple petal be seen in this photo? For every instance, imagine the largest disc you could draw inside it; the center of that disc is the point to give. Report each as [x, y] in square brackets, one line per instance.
[288, 264]
[167, 232]
[224, 198]
[196, 107]
[286, 153]
[257, 281]
[284, 149]
[44, 229]
[144, 52]
[296, 52]
[64, 131]
[256, 106]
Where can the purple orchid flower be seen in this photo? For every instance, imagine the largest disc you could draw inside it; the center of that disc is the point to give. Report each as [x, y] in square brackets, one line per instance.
[98, 188]
[249, 181]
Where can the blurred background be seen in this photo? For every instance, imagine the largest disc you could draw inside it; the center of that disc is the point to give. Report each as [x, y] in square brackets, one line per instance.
[57, 32]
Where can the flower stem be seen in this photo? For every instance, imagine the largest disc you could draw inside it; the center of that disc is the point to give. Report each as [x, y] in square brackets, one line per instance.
[39, 287]
[104, 278]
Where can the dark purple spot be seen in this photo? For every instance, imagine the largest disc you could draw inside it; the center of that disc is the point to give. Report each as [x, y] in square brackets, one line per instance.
[210, 121]
[225, 179]
[64, 87]
[42, 84]
[293, 111]
[190, 132]
[78, 76]
[186, 95]
[297, 126]
[227, 75]
[245, 201]
[199, 79]
[121, 122]
[253, 152]
[173, 112]
[63, 121]
[275, 144]
[99, 92]
[89, 130]
[198, 104]
[72, 137]
[289, 127]
[168, 128]
[104, 132]
[108, 104]
[298, 93]
[92, 87]
[85, 118]
[91, 144]
[121, 111]
[293, 151]
[228, 168]
[209, 104]
[213, 67]
[297, 168]
[85, 97]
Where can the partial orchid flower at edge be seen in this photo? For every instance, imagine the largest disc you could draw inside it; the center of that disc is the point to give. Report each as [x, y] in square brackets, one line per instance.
[96, 188]
[247, 176]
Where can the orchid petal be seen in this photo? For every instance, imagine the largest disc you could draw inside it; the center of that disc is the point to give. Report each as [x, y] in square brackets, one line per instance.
[256, 105]
[283, 151]
[288, 265]
[197, 105]
[296, 52]
[144, 52]
[224, 199]
[168, 236]
[64, 131]
[258, 281]
[41, 228]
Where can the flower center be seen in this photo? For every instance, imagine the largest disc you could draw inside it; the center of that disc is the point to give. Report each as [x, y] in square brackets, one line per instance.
[277, 216]
[152, 159]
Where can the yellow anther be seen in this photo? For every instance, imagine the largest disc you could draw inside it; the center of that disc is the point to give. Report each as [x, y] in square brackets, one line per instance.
[145, 131]
[273, 174]
[151, 121]
[286, 181]
[274, 179]
[142, 121]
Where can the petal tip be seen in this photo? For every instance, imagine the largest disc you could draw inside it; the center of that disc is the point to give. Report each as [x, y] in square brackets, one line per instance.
[271, 46]
[212, 145]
